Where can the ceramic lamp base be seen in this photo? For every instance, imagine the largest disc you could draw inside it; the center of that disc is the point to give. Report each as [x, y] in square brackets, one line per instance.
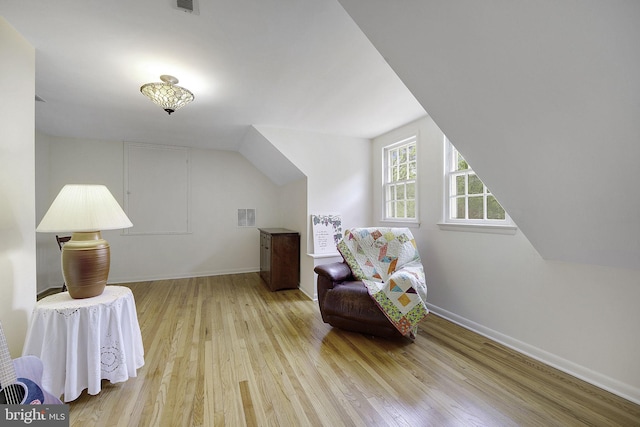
[85, 264]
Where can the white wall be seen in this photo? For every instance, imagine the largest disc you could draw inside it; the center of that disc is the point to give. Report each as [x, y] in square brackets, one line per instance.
[221, 183]
[338, 171]
[47, 251]
[17, 186]
[293, 216]
[581, 318]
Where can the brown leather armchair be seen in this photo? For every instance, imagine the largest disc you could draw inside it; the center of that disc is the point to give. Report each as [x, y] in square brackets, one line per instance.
[345, 303]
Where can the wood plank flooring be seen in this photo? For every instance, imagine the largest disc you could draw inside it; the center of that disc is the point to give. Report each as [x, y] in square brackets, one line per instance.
[224, 351]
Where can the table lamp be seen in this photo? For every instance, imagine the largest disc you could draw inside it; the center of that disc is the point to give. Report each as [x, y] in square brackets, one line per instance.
[84, 210]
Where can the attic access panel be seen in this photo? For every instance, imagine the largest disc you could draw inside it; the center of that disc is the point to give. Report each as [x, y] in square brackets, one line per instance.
[157, 189]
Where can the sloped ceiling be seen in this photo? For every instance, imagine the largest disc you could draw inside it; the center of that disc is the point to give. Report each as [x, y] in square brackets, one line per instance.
[542, 98]
[298, 64]
[265, 157]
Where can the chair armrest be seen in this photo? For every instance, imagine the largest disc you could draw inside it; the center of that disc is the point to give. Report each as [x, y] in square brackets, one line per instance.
[335, 272]
[328, 276]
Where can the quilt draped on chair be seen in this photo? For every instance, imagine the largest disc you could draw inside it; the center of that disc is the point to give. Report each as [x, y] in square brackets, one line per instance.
[388, 263]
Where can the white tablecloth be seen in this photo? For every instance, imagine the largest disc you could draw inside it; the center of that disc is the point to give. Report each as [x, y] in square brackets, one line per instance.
[82, 341]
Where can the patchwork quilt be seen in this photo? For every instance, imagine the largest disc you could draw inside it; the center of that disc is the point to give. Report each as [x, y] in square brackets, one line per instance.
[387, 261]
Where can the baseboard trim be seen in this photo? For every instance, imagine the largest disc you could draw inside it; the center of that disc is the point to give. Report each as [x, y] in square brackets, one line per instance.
[117, 280]
[306, 294]
[597, 379]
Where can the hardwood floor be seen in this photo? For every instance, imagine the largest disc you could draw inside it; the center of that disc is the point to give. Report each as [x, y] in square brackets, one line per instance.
[224, 351]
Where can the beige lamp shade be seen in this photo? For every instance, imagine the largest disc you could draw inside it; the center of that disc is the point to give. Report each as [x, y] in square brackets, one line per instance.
[84, 210]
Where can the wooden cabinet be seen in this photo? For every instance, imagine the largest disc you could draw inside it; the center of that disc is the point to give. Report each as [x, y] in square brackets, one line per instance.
[280, 258]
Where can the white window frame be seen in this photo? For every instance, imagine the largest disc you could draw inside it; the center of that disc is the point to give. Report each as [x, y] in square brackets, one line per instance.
[505, 225]
[387, 183]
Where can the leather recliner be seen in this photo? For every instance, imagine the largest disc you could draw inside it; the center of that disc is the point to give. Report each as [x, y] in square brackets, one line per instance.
[345, 303]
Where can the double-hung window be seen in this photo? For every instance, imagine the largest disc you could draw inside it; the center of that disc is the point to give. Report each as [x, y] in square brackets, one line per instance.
[400, 180]
[467, 199]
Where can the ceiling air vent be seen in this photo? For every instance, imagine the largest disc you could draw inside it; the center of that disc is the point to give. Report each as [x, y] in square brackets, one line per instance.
[186, 5]
[190, 6]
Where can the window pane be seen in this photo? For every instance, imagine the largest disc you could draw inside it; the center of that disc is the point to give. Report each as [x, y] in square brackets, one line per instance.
[412, 170]
[459, 208]
[411, 190]
[402, 172]
[461, 164]
[494, 210]
[403, 154]
[412, 153]
[393, 156]
[393, 164]
[400, 213]
[394, 173]
[411, 209]
[460, 185]
[391, 212]
[475, 185]
[476, 210]
[400, 192]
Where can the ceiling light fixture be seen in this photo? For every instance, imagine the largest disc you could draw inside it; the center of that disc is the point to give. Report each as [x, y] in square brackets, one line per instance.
[166, 94]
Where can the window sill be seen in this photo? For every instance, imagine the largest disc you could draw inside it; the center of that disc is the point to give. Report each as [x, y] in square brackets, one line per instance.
[400, 223]
[327, 255]
[479, 228]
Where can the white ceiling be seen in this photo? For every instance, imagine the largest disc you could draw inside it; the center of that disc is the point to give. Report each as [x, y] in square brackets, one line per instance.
[299, 64]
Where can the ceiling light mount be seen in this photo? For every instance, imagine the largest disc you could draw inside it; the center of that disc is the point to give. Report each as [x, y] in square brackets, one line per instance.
[169, 79]
[167, 94]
